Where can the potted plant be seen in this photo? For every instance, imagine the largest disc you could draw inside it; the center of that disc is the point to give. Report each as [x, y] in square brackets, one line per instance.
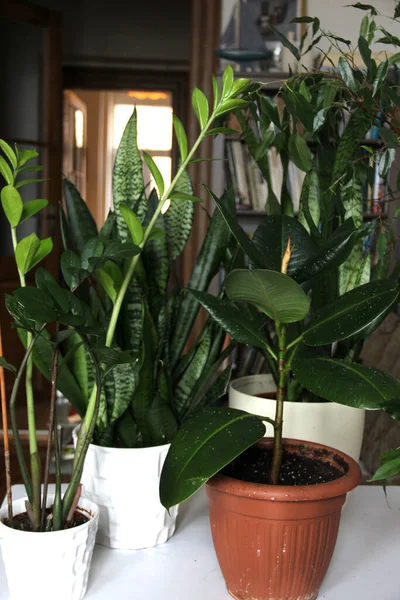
[144, 308]
[335, 133]
[52, 535]
[274, 516]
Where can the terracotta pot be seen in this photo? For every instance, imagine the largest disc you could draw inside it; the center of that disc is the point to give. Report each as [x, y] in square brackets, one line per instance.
[276, 542]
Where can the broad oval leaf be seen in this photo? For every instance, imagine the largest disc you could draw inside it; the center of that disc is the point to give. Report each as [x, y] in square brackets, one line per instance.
[200, 107]
[271, 238]
[351, 313]
[276, 294]
[180, 137]
[346, 73]
[134, 225]
[154, 170]
[69, 260]
[205, 443]
[346, 383]
[25, 252]
[36, 304]
[229, 105]
[12, 204]
[227, 81]
[9, 152]
[45, 247]
[239, 327]
[31, 208]
[6, 171]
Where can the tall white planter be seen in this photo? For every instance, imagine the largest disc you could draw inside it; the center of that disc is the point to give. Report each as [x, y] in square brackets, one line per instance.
[124, 482]
[326, 423]
[48, 565]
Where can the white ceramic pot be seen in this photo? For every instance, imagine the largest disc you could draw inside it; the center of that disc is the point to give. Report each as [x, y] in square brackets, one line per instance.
[326, 423]
[124, 482]
[48, 565]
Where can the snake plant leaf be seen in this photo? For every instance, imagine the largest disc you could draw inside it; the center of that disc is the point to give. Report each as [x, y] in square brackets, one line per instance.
[179, 218]
[82, 226]
[204, 444]
[31, 208]
[207, 265]
[390, 465]
[134, 225]
[181, 137]
[127, 182]
[155, 260]
[231, 319]
[185, 385]
[12, 204]
[218, 388]
[349, 143]
[332, 254]
[276, 294]
[230, 216]
[346, 383]
[108, 229]
[351, 313]
[271, 239]
[309, 207]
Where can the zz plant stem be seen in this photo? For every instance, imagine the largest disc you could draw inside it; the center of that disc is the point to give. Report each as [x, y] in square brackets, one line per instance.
[280, 398]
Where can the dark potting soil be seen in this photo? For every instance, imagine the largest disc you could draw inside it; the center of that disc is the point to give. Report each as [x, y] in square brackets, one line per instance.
[23, 523]
[254, 465]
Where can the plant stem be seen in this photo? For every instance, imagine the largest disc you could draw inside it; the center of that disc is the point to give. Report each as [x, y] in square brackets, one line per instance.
[13, 399]
[58, 502]
[54, 368]
[280, 397]
[30, 406]
[5, 434]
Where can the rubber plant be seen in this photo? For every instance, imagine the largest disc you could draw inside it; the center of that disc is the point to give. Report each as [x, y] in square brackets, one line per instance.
[140, 301]
[38, 307]
[213, 437]
[319, 122]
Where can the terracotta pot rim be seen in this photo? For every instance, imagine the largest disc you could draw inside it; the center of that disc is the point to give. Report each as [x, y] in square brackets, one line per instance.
[288, 493]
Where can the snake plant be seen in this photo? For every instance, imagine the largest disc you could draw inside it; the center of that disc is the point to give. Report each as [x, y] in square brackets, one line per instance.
[127, 271]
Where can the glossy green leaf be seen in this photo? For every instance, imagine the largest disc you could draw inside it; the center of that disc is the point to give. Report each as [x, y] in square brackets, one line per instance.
[362, 6]
[381, 75]
[385, 161]
[221, 130]
[266, 143]
[12, 204]
[389, 467]
[230, 216]
[24, 155]
[200, 107]
[205, 443]
[227, 81]
[180, 137]
[45, 247]
[230, 105]
[332, 254]
[69, 260]
[346, 383]
[31, 208]
[216, 91]
[240, 85]
[82, 226]
[232, 319]
[24, 182]
[6, 171]
[9, 152]
[155, 171]
[271, 239]
[351, 313]
[25, 252]
[107, 283]
[276, 294]
[310, 208]
[300, 153]
[134, 225]
[37, 304]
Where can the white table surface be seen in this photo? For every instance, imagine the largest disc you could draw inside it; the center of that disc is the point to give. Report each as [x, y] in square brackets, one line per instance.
[365, 565]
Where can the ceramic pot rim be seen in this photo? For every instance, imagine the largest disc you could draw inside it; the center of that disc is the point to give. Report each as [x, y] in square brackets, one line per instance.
[87, 507]
[112, 450]
[288, 493]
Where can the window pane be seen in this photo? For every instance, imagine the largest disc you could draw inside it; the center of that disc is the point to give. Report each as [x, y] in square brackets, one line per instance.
[154, 126]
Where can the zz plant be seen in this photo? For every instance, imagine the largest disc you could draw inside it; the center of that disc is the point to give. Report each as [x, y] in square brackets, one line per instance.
[127, 274]
[37, 308]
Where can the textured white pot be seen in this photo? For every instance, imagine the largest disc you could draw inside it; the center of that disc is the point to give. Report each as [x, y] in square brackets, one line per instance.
[48, 565]
[124, 483]
[326, 423]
